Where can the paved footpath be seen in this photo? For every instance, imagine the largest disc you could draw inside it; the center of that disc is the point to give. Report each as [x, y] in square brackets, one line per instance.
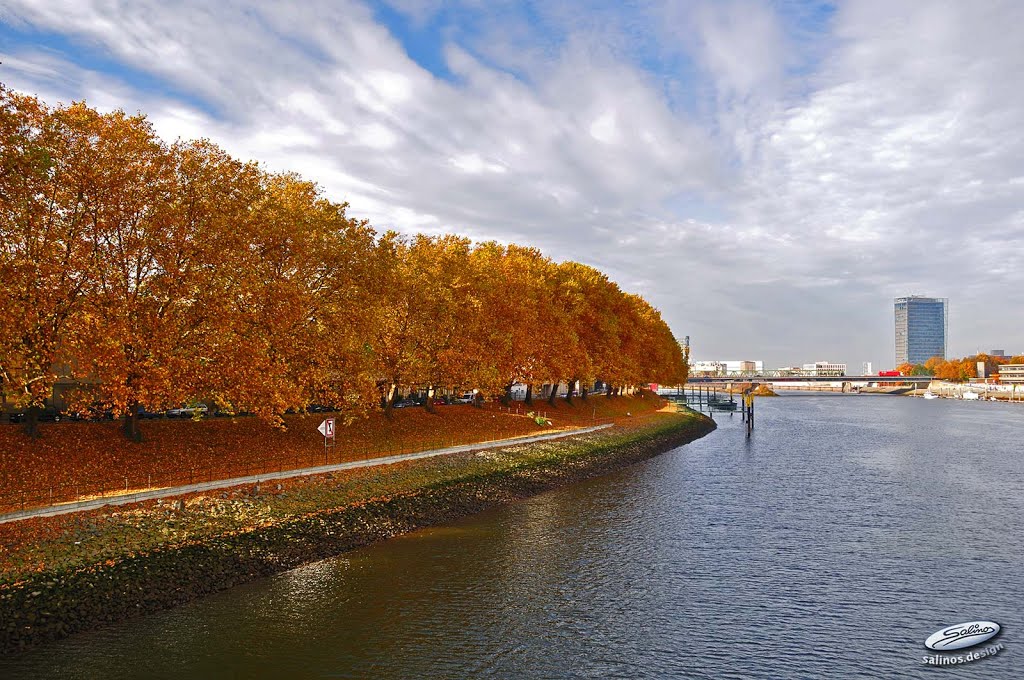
[124, 499]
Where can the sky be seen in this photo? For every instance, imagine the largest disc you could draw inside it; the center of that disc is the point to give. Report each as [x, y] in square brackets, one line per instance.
[770, 175]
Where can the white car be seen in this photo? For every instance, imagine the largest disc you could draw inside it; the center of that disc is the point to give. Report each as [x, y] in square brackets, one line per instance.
[188, 411]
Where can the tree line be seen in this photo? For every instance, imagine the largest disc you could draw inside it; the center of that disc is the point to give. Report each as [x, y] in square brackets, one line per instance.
[156, 273]
[959, 370]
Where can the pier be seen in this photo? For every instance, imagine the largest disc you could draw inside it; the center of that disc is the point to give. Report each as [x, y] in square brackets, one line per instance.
[707, 399]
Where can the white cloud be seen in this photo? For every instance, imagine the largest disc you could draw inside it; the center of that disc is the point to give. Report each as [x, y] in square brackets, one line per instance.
[782, 187]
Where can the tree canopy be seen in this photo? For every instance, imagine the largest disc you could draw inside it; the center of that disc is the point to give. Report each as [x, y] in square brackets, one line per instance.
[154, 274]
[959, 370]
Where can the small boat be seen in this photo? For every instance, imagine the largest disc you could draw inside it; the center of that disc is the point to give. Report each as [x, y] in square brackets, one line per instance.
[719, 404]
[970, 396]
[930, 395]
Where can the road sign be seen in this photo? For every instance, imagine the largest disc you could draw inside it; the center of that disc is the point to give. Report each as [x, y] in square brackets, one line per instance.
[327, 428]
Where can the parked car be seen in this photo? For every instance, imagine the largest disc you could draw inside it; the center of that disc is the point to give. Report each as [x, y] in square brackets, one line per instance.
[145, 413]
[97, 414]
[47, 415]
[188, 411]
[465, 398]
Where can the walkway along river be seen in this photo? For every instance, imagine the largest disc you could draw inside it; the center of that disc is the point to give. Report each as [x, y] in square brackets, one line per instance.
[830, 544]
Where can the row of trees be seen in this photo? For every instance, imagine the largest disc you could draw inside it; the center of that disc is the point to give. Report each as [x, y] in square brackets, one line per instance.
[958, 370]
[158, 273]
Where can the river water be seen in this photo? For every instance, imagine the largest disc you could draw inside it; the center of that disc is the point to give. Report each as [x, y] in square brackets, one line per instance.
[829, 544]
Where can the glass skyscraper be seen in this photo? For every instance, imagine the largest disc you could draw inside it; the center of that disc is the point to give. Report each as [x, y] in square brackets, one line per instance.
[922, 324]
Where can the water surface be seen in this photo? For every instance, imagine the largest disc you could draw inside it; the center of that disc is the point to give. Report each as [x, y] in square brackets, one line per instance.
[829, 544]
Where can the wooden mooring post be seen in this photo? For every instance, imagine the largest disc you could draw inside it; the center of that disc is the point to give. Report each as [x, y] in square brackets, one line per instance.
[748, 408]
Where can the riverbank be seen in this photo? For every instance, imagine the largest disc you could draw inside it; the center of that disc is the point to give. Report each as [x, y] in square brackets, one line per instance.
[84, 570]
[78, 460]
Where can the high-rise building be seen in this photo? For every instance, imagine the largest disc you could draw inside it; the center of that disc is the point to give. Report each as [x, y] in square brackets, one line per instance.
[922, 325]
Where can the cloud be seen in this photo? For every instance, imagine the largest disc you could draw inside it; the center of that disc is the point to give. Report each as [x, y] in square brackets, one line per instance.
[769, 174]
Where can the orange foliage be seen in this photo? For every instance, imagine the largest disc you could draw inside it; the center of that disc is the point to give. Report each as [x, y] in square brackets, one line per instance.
[158, 274]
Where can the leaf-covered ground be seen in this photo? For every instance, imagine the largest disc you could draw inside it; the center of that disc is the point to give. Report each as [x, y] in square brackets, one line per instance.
[65, 542]
[77, 460]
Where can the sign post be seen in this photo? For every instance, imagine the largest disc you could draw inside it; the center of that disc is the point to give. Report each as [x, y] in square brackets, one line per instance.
[327, 430]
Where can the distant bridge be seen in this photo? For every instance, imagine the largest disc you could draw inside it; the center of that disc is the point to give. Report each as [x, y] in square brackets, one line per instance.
[768, 377]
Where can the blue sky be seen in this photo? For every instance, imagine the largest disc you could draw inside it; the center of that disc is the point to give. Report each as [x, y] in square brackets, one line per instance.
[769, 174]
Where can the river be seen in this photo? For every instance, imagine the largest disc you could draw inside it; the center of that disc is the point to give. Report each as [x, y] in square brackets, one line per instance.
[831, 543]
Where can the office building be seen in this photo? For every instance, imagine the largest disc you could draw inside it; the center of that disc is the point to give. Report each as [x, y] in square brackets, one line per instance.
[727, 367]
[922, 325]
[824, 368]
[707, 368]
[1012, 373]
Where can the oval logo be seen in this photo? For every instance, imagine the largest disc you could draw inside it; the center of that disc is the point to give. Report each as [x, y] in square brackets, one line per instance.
[962, 635]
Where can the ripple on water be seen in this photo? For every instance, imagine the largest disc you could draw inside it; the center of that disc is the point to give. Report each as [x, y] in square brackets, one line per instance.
[830, 544]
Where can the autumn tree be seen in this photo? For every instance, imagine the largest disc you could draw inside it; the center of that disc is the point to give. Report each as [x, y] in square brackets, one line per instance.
[427, 333]
[46, 164]
[159, 274]
[651, 350]
[299, 299]
[594, 307]
[934, 365]
[446, 312]
[517, 315]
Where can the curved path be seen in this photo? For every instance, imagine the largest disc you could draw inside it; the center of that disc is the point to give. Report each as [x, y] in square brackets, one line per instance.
[124, 499]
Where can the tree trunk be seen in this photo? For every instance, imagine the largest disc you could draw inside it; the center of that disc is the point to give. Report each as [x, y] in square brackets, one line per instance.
[131, 424]
[506, 399]
[430, 400]
[570, 388]
[608, 390]
[529, 394]
[554, 393]
[389, 400]
[583, 392]
[32, 421]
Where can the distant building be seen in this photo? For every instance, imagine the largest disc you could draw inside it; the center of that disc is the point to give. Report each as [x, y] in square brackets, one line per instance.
[996, 353]
[707, 368]
[824, 368]
[727, 367]
[866, 369]
[1011, 373]
[742, 366]
[922, 326]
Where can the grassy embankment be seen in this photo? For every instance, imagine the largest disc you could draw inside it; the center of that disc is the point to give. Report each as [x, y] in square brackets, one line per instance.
[67, 573]
[80, 460]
